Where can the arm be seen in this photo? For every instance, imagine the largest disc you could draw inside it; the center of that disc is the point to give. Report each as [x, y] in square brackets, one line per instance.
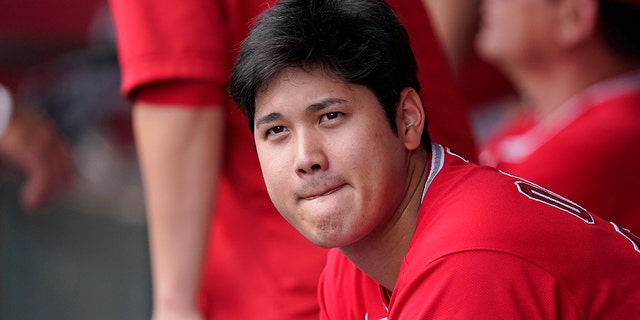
[454, 22]
[178, 137]
[32, 144]
[179, 150]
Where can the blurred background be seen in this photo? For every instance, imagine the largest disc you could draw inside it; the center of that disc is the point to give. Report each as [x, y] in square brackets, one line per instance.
[84, 254]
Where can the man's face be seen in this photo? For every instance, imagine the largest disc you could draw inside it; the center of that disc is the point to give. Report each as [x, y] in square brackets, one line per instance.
[332, 165]
[516, 31]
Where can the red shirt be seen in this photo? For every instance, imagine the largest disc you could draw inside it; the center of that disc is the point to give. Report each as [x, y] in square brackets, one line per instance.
[159, 42]
[259, 267]
[586, 150]
[493, 246]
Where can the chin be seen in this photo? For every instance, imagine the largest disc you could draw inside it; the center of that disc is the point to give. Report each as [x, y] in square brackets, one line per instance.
[324, 239]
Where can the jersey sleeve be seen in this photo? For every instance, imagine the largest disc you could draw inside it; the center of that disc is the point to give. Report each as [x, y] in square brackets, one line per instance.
[159, 41]
[193, 94]
[483, 285]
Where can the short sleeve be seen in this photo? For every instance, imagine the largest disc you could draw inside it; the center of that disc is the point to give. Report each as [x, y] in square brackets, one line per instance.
[160, 41]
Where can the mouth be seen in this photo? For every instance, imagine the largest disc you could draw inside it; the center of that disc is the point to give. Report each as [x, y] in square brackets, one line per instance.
[320, 194]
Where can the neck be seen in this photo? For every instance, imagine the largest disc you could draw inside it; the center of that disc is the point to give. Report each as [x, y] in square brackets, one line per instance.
[380, 254]
[545, 85]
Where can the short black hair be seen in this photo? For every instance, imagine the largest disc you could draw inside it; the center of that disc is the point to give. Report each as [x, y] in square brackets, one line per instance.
[358, 41]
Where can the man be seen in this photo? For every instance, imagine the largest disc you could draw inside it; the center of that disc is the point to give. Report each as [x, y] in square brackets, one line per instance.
[197, 157]
[330, 90]
[576, 65]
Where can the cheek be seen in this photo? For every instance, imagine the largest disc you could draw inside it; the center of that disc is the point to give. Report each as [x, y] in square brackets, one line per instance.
[273, 171]
[375, 159]
[379, 175]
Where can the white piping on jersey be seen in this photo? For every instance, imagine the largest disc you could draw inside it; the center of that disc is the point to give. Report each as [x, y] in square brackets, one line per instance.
[437, 161]
[366, 316]
[517, 148]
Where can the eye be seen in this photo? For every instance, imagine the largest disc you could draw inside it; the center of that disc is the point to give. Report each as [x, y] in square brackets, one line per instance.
[275, 131]
[331, 116]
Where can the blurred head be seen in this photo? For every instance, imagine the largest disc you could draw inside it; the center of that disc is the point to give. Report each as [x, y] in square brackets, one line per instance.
[330, 90]
[526, 31]
[516, 29]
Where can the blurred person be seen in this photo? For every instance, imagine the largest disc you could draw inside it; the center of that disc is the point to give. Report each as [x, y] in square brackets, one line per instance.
[31, 143]
[489, 97]
[576, 65]
[330, 90]
[197, 157]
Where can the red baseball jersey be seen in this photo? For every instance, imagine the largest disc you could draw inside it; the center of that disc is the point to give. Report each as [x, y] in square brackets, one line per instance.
[586, 150]
[489, 245]
[258, 266]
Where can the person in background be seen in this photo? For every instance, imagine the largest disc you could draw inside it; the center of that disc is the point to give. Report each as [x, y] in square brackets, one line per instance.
[489, 97]
[31, 143]
[197, 157]
[576, 66]
[331, 92]
[195, 160]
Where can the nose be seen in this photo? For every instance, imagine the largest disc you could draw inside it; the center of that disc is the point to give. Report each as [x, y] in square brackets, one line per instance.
[310, 157]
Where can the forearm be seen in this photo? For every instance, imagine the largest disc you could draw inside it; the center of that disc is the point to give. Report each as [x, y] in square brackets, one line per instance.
[179, 152]
[455, 23]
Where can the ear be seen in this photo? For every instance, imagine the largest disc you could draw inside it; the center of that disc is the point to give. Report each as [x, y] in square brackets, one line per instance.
[578, 20]
[410, 118]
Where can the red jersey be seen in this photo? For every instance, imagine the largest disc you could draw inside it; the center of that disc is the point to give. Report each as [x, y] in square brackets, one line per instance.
[490, 245]
[586, 150]
[258, 266]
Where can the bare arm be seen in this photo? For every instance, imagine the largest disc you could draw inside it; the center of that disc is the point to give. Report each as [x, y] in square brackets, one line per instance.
[32, 144]
[455, 23]
[180, 157]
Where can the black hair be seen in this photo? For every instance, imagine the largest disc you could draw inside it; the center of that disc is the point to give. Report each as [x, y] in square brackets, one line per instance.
[619, 22]
[358, 41]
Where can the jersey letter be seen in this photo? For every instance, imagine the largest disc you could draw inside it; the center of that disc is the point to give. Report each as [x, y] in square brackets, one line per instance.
[545, 196]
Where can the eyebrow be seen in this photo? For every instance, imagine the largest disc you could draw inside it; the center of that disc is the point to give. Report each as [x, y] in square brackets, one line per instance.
[273, 116]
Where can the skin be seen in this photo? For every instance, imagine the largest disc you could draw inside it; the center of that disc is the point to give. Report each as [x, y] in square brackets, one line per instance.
[454, 22]
[517, 29]
[550, 50]
[33, 145]
[337, 172]
[180, 156]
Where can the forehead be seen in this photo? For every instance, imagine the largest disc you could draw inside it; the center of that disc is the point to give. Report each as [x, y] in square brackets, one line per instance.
[295, 85]
[300, 77]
